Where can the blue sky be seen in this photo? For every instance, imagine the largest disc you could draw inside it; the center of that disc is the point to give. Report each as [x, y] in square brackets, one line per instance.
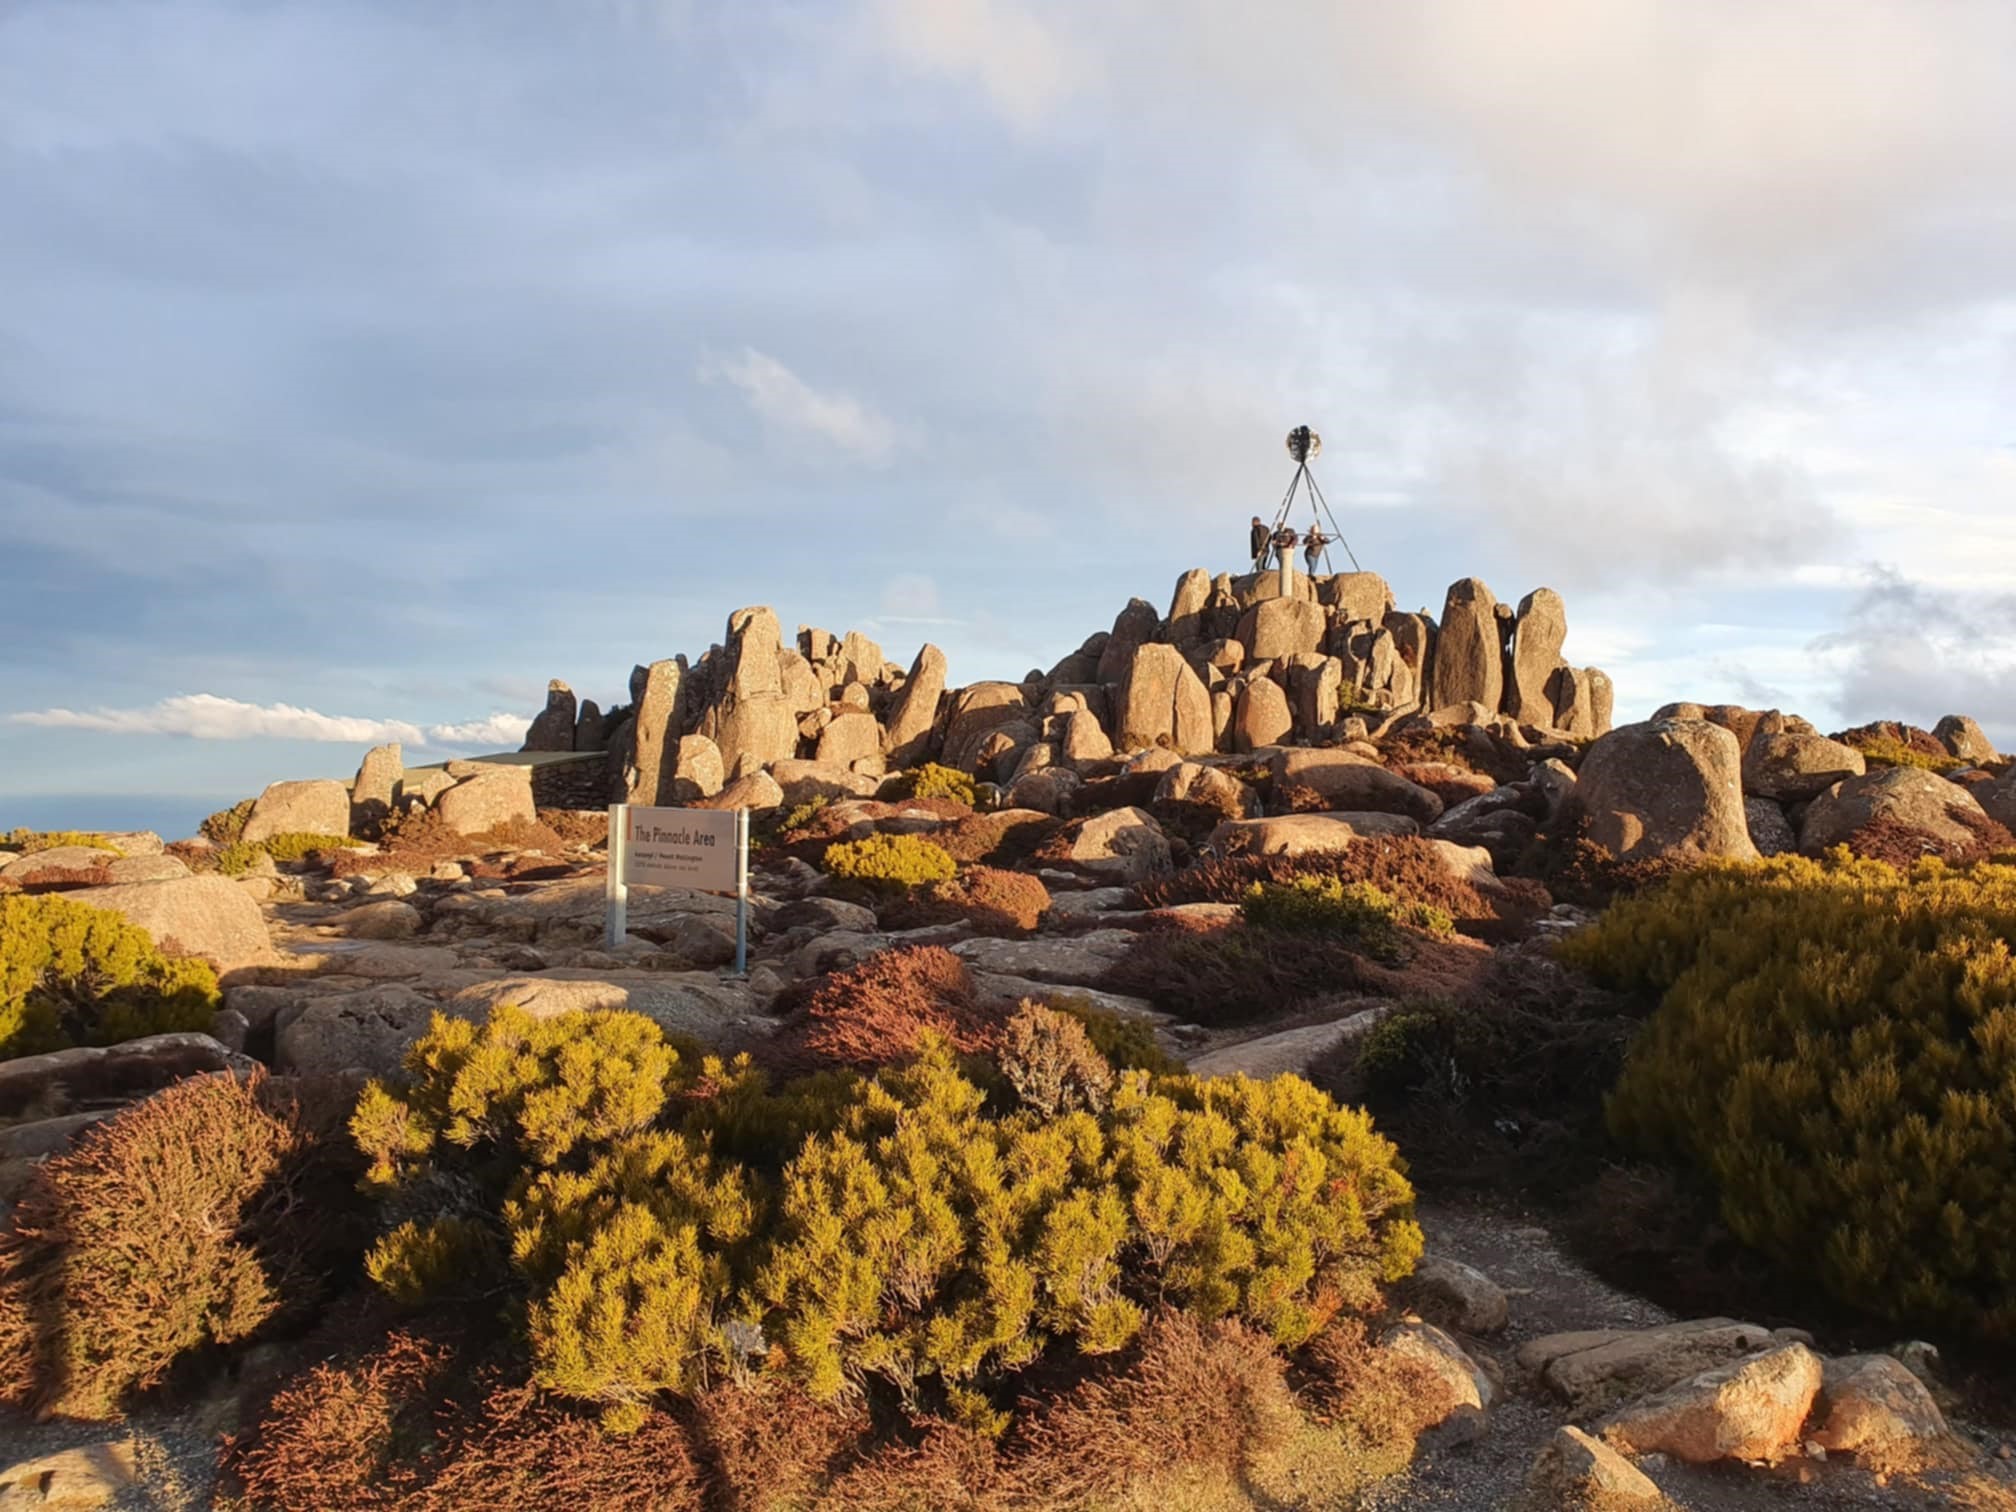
[363, 365]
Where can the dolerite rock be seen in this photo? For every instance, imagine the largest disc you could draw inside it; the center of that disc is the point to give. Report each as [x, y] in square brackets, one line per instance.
[478, 804]
[1573, 696]
[369, 1030]
[977, 713]
[1770, 831]
[381, 780]
[1575, 1472]
[591, 730]
[98, 1073]
[1871, 1406]
[211, 917]
[1193, 782]
[1278, 628]
[1429, 1346]
[55, 862]
[1299, 834]
[552, 729]
[1999, 798]
[386, 920]
[696, 771]
[1469, 666]
[1314, 683]
[1666, 788]
[1161, 702]
[1260, 715]
[78, 1479]
[914, 715]
[1123, 845]
[1047, 790]
[1964, 738]
[1602, 699]
[1354, 784]
[317, 807]
[758, 792]
[850, 738]
[1135, 626]
[802, 688]
[1795, 768]
[655, 732]
[1414, 643]
[803, 781]
[1943, 812]
[1595, 1369]
[1461, 1296]
[1752, 1410]
[1358, 596]
[1084, 742]
[1537, 638]
[144, 869]
[1187, 606]
[749, 718]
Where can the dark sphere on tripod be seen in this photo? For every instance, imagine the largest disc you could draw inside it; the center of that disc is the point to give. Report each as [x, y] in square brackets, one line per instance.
[1304, 443]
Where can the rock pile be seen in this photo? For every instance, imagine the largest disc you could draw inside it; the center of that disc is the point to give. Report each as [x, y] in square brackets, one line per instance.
[1236, 665]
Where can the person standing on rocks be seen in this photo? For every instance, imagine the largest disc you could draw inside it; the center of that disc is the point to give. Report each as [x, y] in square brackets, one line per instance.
[1256, 544]
[1312, 547]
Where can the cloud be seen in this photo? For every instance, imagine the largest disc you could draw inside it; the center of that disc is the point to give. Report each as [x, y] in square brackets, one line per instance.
[1911, 651]
[206, 716]
[1026, 67]
[788, 402]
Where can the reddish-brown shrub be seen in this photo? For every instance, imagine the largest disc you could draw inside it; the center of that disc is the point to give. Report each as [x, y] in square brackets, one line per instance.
[1193, 1396]
[523, 1450]
[1382, 1401]
[1298, 798]
[186, 1220]
[1235, 974]
[347, 1435]
[1903, 846]
[948, 1468]
[874, 1013]
[1409, 868]
[771, 1447]
[61, 879]
[1453, 747]
[1004, 840]
[577, 826]
[1884, 732]
[992, 901]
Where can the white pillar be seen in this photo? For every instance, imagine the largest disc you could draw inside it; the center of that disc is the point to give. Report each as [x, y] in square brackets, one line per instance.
[615, 892]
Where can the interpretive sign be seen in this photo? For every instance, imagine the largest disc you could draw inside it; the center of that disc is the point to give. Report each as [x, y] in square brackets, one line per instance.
[675, 847]
[706, 850]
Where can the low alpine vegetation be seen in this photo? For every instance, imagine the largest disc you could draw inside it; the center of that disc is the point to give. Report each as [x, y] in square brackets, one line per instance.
[75, 975]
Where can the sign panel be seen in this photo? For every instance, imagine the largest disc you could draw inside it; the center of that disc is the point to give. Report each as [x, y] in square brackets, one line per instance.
[677, 847]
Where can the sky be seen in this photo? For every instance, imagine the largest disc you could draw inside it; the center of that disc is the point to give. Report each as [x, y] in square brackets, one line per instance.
[363, 365]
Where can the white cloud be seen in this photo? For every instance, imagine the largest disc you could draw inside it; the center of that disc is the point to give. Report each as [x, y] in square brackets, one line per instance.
[207, 716]
[788, 402]
[1025, 66]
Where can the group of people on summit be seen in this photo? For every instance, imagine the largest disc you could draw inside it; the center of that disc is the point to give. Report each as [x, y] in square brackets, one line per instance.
[1273, 547]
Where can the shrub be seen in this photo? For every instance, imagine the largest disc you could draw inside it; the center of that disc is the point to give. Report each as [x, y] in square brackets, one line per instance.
[1050, 1062]
[1353, 911]
[227, 826]
[991, 901]
[934, 781]
[878, 1012]
[896, 861]
[1004, 840]
[29, 842]
[240, 858]
[1237, 975]
[895, 1227]
[773, 1446]
[794, 820]
[299, 845]
[1887, 743]
[71, 974]
[167, 1227]
[1833, 1048]
[1410, 869]
[1125, 1041]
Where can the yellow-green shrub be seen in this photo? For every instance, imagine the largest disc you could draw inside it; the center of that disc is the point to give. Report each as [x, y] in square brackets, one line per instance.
[891, 861]
[1882, 751]
[299, 845]
[934, 781]
[1836, 1049]
[227, 826]
[1327, 906]
[28, 842]
[74, 975]
[891, 1225]
[1126, 1040]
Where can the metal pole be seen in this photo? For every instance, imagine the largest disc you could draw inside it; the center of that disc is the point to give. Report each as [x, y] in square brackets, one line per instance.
[616, 890]
[742, 892]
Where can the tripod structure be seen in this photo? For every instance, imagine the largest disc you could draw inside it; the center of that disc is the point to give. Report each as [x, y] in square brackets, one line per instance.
[1303, 444]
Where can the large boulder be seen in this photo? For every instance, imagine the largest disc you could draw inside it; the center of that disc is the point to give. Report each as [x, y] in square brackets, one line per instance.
[481, 803]
[103, 1473]
[1964, 738]
[1537, 636]
[1083, 743]
[1353, 783]
[1998, 798]
[1871, 1406]
[1469, 666]
[370, 1030]
[1261, 715]
[1279, 628]
[654, 734]
[758, 792]
[914, 715]
[1754, 1409]
[1193, 782]
[1459, 1296]
[320, 806]
[211, 917]
[1359, 597]
[552, 729]
[978, 713]
[1123, 845]
[87, 1074]
[697, 771]
[1944, 814]
[1594, 1369]
[1669, 787]
[750, 719]
[1187, 606]
[851, 737]
[1161, 702]
[381, 780]
[803, 781]
[1794, 768]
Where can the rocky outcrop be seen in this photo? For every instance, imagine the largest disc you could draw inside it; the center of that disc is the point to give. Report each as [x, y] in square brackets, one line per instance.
[377, 790]
[747, 717]
[914, 715]
[317, 807]
[1669, 787]
[1793, 768]
[1161, 702]
[1469, 659]
[1943, 813]
[1537, 637]
[655, 732]
[1965, 739]
[552, 729]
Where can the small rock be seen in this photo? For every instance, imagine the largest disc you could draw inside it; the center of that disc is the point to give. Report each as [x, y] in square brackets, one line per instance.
[1463, 1297]
[75, 1480]
[1875, 1409]
[229, 1028]
[387, 920]
[1576, 1470]
[1752, 1410]
[1426, 1343]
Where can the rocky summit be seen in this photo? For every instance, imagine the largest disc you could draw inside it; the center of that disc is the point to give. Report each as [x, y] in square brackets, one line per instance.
[1056, 991]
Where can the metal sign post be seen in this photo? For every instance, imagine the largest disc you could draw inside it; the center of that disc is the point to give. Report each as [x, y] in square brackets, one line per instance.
[703, 850]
